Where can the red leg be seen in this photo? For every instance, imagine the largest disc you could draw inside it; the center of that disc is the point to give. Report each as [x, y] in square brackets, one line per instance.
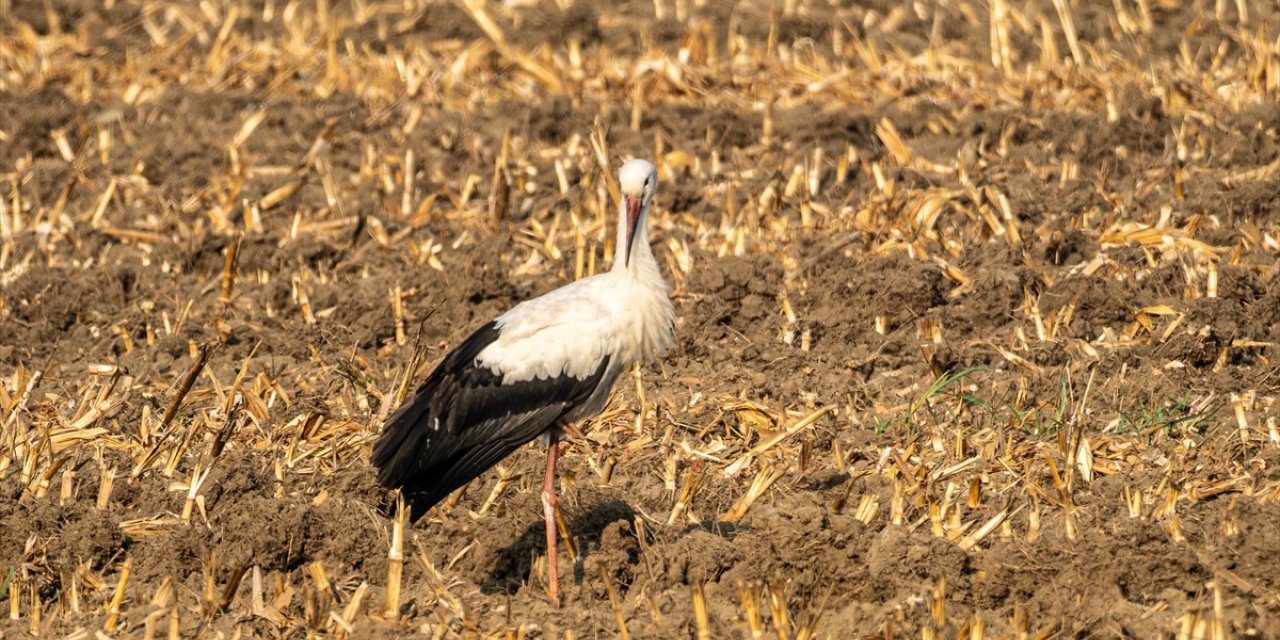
[572, 431]
[549, 510]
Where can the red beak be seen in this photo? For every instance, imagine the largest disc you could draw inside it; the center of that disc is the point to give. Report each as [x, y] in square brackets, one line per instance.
[633, 215]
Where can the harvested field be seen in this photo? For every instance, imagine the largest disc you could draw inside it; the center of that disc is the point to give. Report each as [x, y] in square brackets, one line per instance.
[978, 315]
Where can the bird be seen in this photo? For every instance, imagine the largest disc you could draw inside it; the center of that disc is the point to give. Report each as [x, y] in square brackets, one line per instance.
[534, 371]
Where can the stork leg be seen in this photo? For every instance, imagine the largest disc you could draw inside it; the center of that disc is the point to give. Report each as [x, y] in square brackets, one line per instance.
[572, 431]
[549, 510]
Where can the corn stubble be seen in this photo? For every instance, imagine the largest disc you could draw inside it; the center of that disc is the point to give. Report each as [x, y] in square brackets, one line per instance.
[963, 466]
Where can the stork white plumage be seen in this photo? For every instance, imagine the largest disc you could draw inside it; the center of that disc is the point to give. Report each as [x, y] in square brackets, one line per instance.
[533, 371]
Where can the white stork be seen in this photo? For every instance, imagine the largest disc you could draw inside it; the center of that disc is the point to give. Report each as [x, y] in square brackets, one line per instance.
[533, 371]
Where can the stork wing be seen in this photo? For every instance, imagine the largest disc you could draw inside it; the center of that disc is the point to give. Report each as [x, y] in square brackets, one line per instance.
[465, 418]
[567, 331]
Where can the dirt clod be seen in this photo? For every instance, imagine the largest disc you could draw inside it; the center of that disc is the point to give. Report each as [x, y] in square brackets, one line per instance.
[976, 325]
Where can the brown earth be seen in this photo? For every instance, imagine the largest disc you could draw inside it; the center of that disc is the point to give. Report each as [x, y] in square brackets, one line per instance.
[1098, 276]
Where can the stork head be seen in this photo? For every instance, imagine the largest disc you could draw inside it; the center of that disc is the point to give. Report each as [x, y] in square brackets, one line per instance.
[638, 180]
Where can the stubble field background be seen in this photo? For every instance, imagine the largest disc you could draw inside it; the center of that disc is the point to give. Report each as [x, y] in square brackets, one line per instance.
[978, 314]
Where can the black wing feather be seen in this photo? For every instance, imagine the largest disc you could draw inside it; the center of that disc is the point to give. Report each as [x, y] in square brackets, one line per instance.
[431, 487]
[399, 434]
[462, 420]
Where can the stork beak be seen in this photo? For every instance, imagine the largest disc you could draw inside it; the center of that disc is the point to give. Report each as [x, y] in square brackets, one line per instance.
[633, 216]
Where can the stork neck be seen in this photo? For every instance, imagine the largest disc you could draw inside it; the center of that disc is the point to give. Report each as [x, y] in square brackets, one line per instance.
[641, 253]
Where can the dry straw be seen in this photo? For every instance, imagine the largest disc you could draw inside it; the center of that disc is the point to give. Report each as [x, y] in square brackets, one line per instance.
[977, 458]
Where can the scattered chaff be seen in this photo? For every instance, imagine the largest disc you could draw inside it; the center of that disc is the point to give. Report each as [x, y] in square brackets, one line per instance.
[395, 560]
[618, 616]
[750, 126]
[737, 465]
[760, 484]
